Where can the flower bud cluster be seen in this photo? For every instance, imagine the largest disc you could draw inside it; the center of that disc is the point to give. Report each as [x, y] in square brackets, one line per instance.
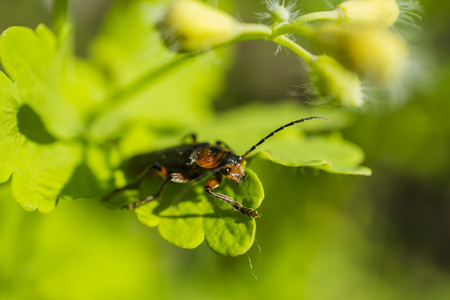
[191, 26]
[371, 13]
[377, 55]
[354, 44]
[359, 38]
[334, 82]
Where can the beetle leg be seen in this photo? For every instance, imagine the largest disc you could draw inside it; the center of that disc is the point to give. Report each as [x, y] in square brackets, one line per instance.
[160, 170]
[191, 136]
[223, 145]
[194, 138]
[178, 178]
[213, 183]
[158, 194]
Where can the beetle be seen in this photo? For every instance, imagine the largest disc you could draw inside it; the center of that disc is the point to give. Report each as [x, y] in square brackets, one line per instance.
[193, 162]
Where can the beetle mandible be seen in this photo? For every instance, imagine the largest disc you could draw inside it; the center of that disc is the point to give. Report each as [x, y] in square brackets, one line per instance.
[192, 162]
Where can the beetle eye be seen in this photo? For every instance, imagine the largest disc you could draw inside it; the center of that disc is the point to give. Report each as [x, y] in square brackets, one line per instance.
[227, 170]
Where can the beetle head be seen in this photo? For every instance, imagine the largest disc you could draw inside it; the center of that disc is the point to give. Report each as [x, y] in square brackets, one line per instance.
[233, 168]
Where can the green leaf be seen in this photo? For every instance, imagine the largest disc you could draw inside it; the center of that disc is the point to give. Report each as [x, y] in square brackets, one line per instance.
[82, 184]
[187, 223]
[244, 126]
[129, 50]
[328, 153]
[67, 124]
[39, 164]
[185, 220]
[34, 61]
[34, 117]
[296, 146]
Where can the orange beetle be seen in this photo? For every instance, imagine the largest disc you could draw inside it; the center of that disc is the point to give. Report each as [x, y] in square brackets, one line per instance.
[192, 162]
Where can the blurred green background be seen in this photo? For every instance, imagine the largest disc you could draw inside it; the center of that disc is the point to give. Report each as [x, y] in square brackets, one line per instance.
[322, 236]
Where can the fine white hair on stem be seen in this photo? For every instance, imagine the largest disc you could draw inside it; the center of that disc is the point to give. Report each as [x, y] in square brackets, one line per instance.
[329, 4]
[273, 5]
[410, 13]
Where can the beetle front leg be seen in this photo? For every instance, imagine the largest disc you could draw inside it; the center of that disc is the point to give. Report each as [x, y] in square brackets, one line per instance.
[191, 136]
[222, 145]
[158, 194]
[160, 170]
[213, 183]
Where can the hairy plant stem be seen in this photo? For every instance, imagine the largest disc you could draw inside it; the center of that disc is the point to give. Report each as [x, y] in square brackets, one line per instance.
[251, 31]
[292, 28]
[259, 31]
[296, 48]
[248, 31]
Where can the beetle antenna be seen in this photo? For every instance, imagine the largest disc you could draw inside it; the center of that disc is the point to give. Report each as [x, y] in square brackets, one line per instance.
[279, 129]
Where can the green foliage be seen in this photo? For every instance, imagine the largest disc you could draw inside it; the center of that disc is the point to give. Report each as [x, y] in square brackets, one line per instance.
[68, 124]
[187, 223]
[39, 163]
[329, 153]
[322, 236]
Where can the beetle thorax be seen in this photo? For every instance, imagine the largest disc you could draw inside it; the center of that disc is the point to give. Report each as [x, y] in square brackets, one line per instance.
[211, 157]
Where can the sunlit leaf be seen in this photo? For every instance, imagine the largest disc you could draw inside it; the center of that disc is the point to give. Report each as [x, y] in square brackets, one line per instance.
[244, 126]
[187, 219]
[328, 153]
[34, 60]
[68, 126]
[40, 165]
[128, 49]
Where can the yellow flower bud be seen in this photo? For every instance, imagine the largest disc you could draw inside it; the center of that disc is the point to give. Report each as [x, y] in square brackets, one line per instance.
[377, 55]
[191, 26]
[372, 13]
[333, 81]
